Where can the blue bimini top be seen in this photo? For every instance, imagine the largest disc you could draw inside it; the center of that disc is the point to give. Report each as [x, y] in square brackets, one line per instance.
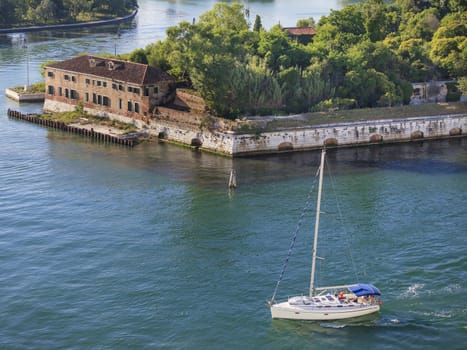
[363, 289]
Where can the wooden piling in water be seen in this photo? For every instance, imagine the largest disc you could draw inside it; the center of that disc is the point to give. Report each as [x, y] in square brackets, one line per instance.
[33, 118]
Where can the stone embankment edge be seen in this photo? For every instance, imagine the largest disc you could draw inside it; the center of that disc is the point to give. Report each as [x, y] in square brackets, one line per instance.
[98, 136]
[335, 135]
[26, 97]
[70, 25]
[353, 134]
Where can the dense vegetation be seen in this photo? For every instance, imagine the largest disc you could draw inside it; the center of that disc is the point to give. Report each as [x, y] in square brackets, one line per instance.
[365, 55]
[15, 13]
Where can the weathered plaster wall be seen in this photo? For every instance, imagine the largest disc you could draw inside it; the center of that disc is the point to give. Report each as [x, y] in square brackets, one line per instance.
[193, 136]
[345, 134]
[56, 106]
[25, 97]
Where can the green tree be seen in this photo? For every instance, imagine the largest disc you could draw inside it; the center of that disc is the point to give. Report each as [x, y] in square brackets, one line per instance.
[370, 89]
[449, 45]
[7, 12]
[254, 88]
[257, 26]
[376, 21]
[217, 42]
[315, 87]
[272, 47]
[421, 25]
[307, 22]
[290, 80]
[462, 84]
[139, 56]
[415, 55]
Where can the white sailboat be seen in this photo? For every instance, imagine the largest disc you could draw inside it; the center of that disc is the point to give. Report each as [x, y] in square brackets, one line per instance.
[327, 303]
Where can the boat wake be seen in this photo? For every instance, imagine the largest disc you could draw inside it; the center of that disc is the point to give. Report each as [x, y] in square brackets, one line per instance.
[413, 291]
[333, 325]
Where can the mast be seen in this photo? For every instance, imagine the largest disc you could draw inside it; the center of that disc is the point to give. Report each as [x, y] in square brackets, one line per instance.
[318, 210]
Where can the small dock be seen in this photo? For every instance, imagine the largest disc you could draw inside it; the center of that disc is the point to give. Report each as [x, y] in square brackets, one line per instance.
[24, 97]
[123, 140]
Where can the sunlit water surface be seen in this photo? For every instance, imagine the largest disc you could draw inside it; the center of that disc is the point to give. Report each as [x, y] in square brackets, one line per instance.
[108, 247]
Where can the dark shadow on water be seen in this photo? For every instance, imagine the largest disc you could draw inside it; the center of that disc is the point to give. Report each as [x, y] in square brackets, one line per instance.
[205, 169]
[427, 157]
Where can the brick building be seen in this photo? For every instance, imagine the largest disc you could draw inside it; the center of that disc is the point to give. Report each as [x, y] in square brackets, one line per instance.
[106, 87]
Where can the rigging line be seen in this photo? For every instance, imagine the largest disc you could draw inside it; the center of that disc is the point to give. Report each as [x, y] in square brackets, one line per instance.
[294, 238]
[341, 217]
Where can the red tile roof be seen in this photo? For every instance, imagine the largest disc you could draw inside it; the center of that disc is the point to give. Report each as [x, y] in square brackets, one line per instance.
[300, 31]
[136, 73]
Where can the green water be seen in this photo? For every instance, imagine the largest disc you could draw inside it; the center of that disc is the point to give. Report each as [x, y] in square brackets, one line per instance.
[105, 247]
[110, 247]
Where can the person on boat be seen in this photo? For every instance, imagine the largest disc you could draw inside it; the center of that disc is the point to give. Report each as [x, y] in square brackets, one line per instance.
[341, 295]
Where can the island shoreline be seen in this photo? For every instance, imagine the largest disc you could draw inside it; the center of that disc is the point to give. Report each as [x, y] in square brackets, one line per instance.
[71, 25]
[299, 139]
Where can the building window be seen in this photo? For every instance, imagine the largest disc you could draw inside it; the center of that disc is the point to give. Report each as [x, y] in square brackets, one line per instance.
[136, 107]
[156, 89]
[67, 77]
[60, 92]
[104, 84]
[146, 91]
[88, 81]
[130, 106]
[133, 90]
[87, 96]
[120, 103]
[50, 74]
[73, 94]
[94, 98]
[51, 90]
[99, 83]
[99, 99]
[67, 93]
[120, 87]
[73, 78]
[106, 101]
[114, 86]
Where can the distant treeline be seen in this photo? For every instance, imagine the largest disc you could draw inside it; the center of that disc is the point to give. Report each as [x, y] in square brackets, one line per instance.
[365, 55]
[18, 13]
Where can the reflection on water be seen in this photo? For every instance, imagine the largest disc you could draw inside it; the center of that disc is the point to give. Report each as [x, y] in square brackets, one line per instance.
[432, 157]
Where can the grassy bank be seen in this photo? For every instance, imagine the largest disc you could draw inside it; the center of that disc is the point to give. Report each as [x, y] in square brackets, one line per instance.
[354, 115]
[36, 88]
[77, 117]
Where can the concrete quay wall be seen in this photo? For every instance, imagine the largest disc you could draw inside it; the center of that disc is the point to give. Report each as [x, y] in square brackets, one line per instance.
[24, 97]
[216, 142]
[312, 137]
[189, 131]
[351, 134]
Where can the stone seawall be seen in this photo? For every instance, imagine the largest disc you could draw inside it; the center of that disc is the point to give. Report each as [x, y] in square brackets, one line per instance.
[214, 135]
[352, 134]
[24, 97]
[313, 137]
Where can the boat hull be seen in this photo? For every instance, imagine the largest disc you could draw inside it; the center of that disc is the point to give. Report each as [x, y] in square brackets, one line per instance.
[314, 313]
